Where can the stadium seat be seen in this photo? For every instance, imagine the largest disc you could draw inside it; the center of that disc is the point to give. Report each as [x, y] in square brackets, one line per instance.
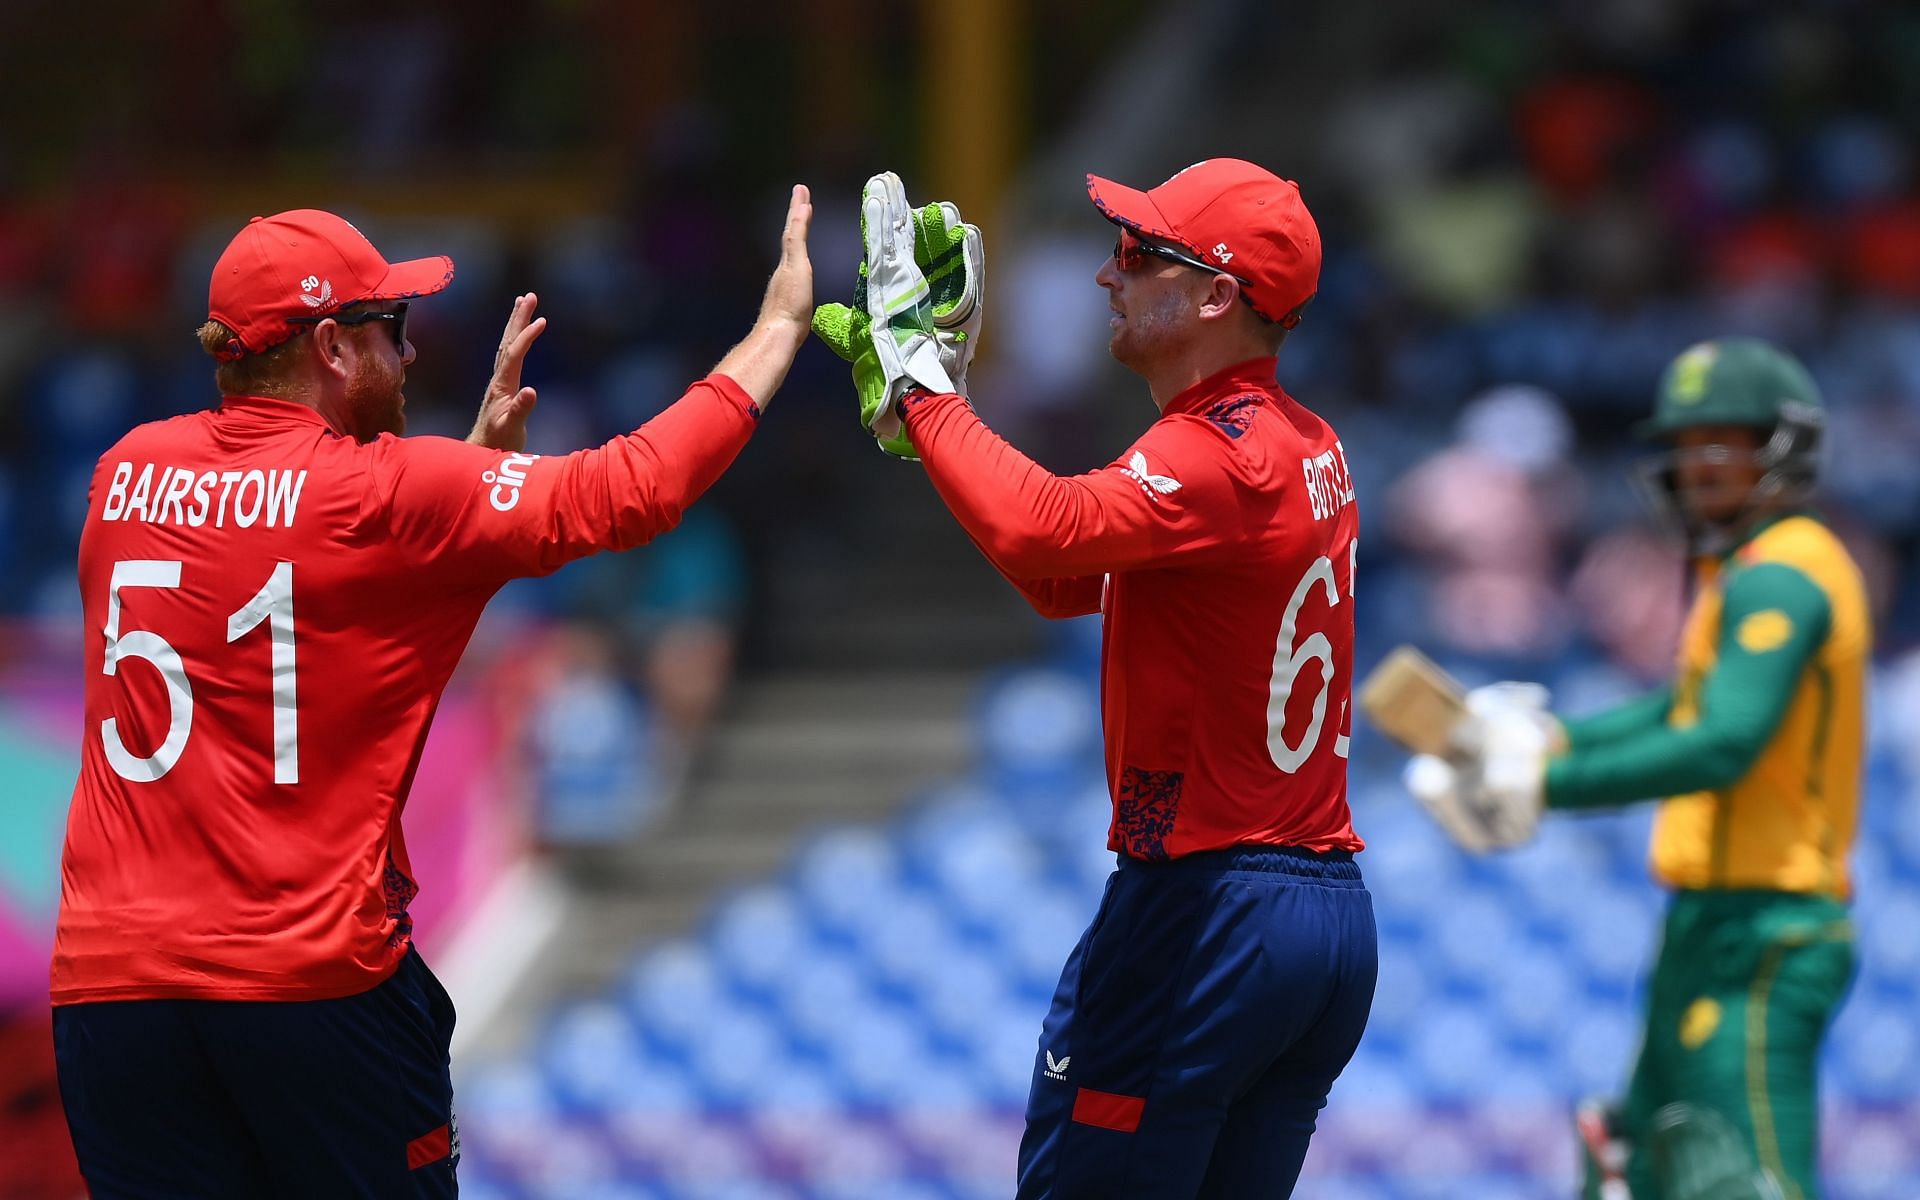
[865, 1025]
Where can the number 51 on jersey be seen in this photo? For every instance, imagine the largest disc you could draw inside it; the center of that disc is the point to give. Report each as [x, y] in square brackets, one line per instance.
[273, 604]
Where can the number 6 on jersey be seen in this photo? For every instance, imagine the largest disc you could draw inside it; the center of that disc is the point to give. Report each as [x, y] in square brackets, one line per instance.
[1290, 659]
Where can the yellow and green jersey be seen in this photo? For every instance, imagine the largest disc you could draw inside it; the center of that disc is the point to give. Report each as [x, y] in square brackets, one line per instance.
[1758, 744]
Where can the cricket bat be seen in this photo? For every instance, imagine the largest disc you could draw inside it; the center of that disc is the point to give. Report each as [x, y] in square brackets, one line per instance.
[1413, 701]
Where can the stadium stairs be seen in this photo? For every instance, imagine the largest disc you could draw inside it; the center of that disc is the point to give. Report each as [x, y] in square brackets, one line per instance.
[862, 696]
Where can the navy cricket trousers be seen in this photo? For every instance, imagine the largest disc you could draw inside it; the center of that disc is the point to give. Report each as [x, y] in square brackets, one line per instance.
[1198, 1027]
[211, 1099]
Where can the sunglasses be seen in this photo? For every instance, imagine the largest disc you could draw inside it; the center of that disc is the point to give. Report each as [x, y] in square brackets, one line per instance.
[398, 316]
[1129, 250]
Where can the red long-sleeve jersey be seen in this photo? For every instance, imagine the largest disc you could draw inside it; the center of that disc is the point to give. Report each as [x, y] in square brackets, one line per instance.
[273, 611]
[1219, 549]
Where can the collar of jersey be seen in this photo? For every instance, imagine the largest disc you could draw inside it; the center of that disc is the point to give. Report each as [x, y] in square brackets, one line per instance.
[1762, 525]
[1254, 375]
[287, 410]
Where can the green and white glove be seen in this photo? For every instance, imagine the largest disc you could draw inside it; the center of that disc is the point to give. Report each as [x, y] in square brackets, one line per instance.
[949, 258]
[956, 270]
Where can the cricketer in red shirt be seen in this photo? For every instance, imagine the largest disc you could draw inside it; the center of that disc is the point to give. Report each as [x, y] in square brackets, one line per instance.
[274, 607]
[1201, 1021]
[1220, 549]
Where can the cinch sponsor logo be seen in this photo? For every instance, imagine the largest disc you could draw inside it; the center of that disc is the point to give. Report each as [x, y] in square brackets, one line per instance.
[183, 496]
[507, 480]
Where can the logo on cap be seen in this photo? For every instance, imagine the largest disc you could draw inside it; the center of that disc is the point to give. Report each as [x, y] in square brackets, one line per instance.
[1275, 253]
[1690, 372]
[325, 297]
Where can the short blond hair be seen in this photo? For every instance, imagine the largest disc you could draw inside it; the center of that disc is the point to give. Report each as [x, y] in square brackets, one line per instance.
[253, 373]
[250, 373]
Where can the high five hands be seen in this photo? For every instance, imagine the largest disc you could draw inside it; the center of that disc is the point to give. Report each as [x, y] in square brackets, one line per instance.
[919, 300]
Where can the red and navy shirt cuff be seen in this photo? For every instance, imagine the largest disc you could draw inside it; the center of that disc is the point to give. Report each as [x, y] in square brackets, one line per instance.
[916, 397]
[733, 393]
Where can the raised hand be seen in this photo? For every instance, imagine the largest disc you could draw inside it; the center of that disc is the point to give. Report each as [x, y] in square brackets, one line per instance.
[505, 405]
[759, 363]
[788, 304]
[950, 257]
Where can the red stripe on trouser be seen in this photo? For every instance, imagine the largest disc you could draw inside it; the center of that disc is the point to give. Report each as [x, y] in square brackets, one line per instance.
[429, 1148]
[1108, 1111]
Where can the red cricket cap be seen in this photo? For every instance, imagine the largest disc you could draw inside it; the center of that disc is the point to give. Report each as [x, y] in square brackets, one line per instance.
[1243, 218]
[305, 263]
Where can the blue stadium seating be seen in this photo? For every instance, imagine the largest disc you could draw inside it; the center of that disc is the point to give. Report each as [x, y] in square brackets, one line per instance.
[864, 1026]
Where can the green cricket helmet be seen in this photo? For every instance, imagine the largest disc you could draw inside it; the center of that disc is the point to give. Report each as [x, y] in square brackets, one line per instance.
[1731, 381]
[1741, 382]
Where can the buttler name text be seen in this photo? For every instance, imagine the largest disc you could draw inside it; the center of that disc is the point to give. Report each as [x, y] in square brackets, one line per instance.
[1329, 486]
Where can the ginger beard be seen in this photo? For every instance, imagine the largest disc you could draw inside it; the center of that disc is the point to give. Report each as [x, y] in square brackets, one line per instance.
[375, 401]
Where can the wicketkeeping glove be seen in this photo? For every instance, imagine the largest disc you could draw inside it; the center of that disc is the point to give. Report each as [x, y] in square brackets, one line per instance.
[948, 258]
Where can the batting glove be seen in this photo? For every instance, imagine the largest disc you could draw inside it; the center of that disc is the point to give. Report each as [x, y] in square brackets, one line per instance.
[949, 258]
[1455, 796]
[1512, 734]
[1489, 792]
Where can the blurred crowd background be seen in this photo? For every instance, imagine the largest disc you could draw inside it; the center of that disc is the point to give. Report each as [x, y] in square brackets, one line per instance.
[1528, 209]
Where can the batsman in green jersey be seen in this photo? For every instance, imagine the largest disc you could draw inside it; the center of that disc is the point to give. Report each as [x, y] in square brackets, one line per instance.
[1756, 747]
